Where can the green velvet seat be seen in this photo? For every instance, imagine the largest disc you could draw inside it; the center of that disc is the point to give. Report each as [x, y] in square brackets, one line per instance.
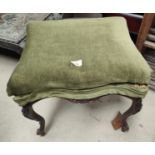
[109, 62]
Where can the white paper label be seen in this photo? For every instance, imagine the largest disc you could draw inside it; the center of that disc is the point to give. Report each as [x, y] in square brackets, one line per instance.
[77, 63]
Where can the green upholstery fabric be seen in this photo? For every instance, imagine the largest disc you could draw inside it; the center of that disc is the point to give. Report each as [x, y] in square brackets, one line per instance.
[111, 64]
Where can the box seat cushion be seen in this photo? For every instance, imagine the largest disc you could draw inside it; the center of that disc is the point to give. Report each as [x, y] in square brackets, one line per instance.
[108, 61]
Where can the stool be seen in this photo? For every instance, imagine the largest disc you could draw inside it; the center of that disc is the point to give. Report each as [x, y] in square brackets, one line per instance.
[79, 60]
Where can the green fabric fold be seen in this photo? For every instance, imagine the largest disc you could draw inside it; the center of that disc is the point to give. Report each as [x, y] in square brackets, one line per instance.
[130, 90]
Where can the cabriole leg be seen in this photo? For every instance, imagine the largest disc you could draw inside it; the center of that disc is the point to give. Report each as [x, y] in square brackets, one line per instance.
[28, 112]
[135, 107]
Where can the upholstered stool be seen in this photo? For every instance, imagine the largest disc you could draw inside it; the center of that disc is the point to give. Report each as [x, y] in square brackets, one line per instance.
[79, 60]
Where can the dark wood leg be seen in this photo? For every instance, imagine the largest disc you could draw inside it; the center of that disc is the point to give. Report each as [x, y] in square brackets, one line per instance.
[28, 112]
[135, 107]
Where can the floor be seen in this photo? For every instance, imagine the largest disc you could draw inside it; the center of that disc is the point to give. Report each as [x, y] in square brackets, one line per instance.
[72, 122]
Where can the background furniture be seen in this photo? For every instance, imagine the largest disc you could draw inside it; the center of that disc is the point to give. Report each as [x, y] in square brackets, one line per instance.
[15, 24]
[146, 35]
[146, 43]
